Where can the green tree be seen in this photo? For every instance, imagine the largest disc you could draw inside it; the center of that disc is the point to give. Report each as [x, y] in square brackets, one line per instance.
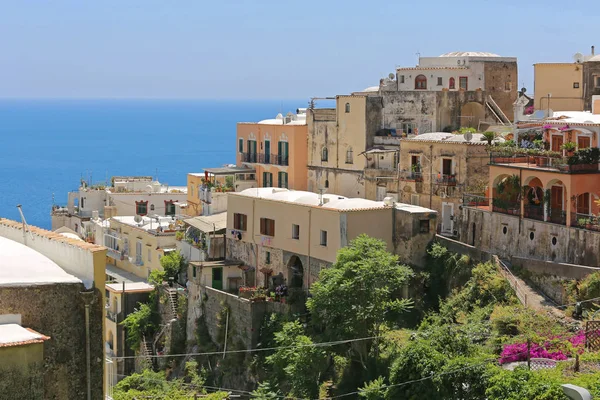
[141, 322]
[297, 363]
[265, 392]
[360, 293]
[172, 263]
[374, 390]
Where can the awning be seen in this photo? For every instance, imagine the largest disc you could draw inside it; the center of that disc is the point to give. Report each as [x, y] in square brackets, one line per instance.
[209, 223]
[381, 149]
[216, 264]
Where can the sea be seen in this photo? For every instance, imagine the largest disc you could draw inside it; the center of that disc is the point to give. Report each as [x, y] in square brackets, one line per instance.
[48, 146]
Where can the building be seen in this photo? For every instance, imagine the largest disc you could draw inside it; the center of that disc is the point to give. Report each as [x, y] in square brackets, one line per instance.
[542, 204]
[289, 236]
[567, 86]
[122, 299]
[132, 195]
[204, 238]
[473, 89]
[275, 149]
[51, 315]
[336, 139]
[437, 168]
[136, 244]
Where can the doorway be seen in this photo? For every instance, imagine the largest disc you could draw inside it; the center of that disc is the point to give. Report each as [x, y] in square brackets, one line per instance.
[267, 152]
[217, 278]
[557, 142]
[447, 218]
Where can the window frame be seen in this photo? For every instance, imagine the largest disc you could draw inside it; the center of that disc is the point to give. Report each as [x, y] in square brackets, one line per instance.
[240, 222]
[401, 78]
[241, 145]
[424, 226]
[267, 257]
[452, 83]
[174, 209]
[349, 156]
[295, 231]
[280, 182]
[466, 80]
[420, 82]
[347, 108]
[440, 81]
[267, 227]
[323, 238]
[139, 204]
[324, 154]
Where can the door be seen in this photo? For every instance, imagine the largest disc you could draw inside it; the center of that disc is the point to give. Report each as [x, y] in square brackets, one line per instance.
[217, 278]
[556, 204]
[583, 142]
[557, 142]
[583, 204]
[447, 217]
[446, 167]
[282, 152]
[267, 152]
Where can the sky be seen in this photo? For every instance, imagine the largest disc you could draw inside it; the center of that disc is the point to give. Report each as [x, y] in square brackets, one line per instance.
[265, 49]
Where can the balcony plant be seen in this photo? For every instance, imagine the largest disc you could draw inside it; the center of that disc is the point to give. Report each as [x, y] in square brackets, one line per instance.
[569, 147]
[179, 235]
[489, 136]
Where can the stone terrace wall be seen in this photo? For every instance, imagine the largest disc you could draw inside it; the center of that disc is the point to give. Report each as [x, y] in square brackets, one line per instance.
[58, 311]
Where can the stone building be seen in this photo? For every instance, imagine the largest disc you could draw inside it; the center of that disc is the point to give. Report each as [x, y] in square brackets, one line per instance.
[289, 236]
[51, 315]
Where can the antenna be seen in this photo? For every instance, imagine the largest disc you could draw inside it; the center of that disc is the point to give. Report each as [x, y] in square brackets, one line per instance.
[321, 191]
[25, 226]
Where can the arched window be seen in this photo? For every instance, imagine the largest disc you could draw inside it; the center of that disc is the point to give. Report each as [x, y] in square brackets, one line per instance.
[326, 183]
[349, 158]
[420, 82]
[451, 83]
[324, 154]
[347, 107]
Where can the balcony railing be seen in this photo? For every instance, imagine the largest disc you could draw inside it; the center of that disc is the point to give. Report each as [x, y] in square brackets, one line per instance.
[533, 211]
[266, 158]
[557, 216]
[411, 176]
[249, 157]
[447, 180]
[555, 163]
[113, 316]
[586, 221]
[508, 207]
[282, 160]
[476, 201]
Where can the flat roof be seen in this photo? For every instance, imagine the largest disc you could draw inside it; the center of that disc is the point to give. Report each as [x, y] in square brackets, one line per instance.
[227, 170]
[121, 275]
[209, 223]
[447, 137]
[219, 263]
[147, 223]
[130, 287]
[16, 335]
[23, 266]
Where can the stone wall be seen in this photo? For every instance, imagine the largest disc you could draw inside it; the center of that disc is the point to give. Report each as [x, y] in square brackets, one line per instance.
[497, 76]
[511, 236]
[410, 243]
[58, 311]
[590, 70]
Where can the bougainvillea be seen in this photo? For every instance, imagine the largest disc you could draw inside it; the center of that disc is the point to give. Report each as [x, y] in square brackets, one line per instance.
[555, 348]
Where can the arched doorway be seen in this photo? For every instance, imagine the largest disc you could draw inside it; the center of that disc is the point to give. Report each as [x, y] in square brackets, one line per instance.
[533, 195]
[295, 272]
[557, 199]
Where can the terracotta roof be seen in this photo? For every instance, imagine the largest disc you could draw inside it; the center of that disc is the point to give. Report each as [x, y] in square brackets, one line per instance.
[16, 335]
[52, 235]
[419, 68]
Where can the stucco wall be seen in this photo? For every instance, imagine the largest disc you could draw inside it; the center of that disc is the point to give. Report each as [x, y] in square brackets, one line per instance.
[125, 202]
[58, 311]
[558, 79]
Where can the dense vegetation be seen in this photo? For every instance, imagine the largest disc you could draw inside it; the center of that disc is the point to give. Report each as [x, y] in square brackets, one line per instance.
[375, 329]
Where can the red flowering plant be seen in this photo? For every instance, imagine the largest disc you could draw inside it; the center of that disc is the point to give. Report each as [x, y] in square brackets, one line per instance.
[554, 348]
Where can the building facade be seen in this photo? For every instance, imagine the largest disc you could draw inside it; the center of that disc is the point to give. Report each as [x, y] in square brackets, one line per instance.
[276, 149]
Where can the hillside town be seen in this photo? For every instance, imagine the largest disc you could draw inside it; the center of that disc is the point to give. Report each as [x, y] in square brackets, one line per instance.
[448, 189]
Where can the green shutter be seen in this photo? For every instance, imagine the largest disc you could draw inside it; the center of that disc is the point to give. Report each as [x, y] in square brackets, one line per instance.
[241, 145]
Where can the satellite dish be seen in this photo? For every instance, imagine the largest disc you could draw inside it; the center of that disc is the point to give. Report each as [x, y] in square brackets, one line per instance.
[539, 114]
[578, 57]
[468, 136]
[138, 218]
[391, 75]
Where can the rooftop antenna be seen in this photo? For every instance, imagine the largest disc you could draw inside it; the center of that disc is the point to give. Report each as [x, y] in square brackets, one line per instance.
[418, 57]
[321, 191]
[25, 226]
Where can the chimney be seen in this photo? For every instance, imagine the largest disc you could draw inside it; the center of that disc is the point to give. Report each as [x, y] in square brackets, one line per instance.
[592, 50]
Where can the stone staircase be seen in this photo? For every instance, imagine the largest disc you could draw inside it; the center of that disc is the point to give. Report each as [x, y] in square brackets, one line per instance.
[173, 301]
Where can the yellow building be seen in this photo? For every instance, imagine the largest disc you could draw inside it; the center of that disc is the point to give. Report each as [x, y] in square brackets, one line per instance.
[20, 348]
[558, 86]
[288, 236]
[136, 244]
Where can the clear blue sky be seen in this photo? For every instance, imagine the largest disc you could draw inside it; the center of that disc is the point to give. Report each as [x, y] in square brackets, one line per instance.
[265, 48]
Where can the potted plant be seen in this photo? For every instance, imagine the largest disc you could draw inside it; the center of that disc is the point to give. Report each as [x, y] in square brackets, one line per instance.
[179, 235]
[569, 148]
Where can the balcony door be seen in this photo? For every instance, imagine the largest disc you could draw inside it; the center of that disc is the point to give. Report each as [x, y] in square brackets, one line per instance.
[447, 218]
[557, 142]
[267, 152]
[583, 142]
[217, 278]
[583, 204]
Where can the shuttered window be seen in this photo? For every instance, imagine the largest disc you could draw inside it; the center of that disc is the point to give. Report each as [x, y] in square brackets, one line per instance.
[267, 227]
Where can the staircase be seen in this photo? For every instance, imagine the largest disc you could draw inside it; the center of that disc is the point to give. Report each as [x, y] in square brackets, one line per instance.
[497, 111]
[146, 351]
[173, 302]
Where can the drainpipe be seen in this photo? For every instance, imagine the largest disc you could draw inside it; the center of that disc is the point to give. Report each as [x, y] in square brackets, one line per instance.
[430, 175]
[88, 299]
[308, 272]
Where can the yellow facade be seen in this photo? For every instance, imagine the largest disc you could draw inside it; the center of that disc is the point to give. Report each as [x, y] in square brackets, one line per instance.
[21, 356]
[194, 207]
[564, 81]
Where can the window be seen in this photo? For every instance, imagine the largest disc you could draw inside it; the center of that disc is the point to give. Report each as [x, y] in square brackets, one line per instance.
[408, 128]
[508, 86]
[324, 154]
[194, 272]
[149, 255]
[267, 179]
[252, 151]
[349, 157]
[439, 81]
[267, 227]
[138, 249]
[401, 78]
[597, 81]
[241, 145]
[323, 238]
[295, 231]
[575, 85]
[463, 83]
[151, 207]
[451, 84]
[82, 202]
[583, 142]
[396, 159]
[347, 107]
[267, 257]
[446, 166]
[169, 208]
[424, 226]
[326, 183]
[240, 221]
[282, 179]
[283, 153]
[414, 199]
[141, 208]
[421, 82]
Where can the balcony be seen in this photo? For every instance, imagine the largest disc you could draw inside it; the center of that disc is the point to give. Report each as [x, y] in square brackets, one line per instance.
[114, 254]
[249, 157]
[534, 212]
[414, 176]
[586, 221]
[282, 160]
[446, 180]
[578, 163]
[139, 261]
[113, 316]
[266, 158]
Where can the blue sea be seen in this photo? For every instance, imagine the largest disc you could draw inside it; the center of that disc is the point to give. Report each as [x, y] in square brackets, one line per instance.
[48, 146]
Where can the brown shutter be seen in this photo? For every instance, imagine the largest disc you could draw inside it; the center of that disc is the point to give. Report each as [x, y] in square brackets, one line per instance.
[262, 226]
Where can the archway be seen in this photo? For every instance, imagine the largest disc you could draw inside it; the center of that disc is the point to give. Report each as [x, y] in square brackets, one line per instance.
[556, 201]
[533, 196]
[506, 194]
[295, 272]
[470, 115]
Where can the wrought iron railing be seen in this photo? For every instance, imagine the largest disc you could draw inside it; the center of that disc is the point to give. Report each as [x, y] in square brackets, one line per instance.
[411, 176]
[475, 200]
[249, 157]
[533, 161]
[282, 160]
[557, 216]
[533, 211]
[448, 180]
[586, 221]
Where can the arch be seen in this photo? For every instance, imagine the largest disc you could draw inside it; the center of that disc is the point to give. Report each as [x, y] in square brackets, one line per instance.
[421, 82]
[451, 83]
[324, 154]
[471, 113]
[295, 272]
[556, 199]
[506, 194]
[347, 108]
[533, 196]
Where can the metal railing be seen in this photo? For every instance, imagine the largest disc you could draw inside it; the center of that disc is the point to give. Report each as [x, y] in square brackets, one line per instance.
[586, 221]
[556, 163]
[512, 281]
[557, 216]
[476, 201]
[282, 160]
[266, 158]
[249, 157]
[411, 176]
[448, 180]
[534, 212]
